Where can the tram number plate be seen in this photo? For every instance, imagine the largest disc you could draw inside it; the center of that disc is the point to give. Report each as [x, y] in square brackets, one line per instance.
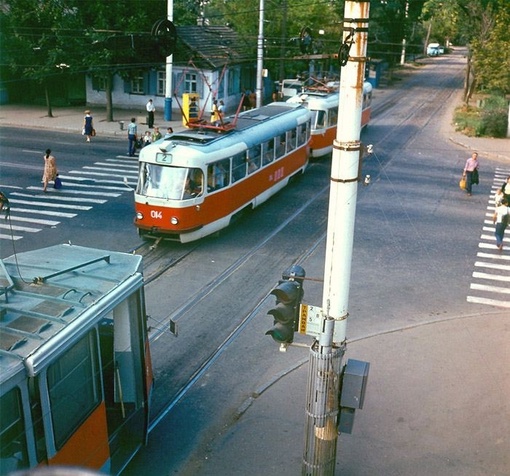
[157, 215]
[164, 158]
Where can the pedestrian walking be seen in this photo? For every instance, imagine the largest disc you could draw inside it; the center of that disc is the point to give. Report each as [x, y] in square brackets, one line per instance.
[88, 125]
[505, 188]
[151, 109]
[500, 219]
[132, 130]
[50, 169]
[471, 172]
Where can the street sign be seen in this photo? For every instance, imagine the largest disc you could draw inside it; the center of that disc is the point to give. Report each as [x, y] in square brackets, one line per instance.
[310, 318]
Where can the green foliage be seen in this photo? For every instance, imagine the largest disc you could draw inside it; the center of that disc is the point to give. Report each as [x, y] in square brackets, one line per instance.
[490, 120]
[492, 54]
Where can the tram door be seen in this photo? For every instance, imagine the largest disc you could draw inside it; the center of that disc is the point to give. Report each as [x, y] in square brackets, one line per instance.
[122, 359]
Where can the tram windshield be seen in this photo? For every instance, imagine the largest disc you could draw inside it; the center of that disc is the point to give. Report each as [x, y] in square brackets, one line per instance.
[170, 183]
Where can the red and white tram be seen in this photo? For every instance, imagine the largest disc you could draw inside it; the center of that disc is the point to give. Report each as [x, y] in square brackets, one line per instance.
[193, 183]
[323, 103]
[75, 366]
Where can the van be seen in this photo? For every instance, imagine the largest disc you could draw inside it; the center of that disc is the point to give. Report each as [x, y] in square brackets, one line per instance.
[433, 49]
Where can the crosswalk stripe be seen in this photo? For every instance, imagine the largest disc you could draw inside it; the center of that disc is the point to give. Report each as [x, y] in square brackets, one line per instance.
[496, 289]
[36, 221]
[43, 212]
[81, 192]
[96, 185]
[19, 228]
[494, 277]
[48, 204]
[494, 256]
[481, 264]
[10, 237]
[60, 197]
[490, 302]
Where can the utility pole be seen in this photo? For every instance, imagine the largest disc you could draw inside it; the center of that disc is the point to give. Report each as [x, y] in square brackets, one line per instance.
[322, 408]
[260, 55]
[168, 82]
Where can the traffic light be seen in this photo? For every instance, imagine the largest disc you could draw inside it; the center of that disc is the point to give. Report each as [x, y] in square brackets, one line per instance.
[289, 294]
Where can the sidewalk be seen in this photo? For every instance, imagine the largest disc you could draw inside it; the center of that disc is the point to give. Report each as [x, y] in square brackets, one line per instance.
[70, 119]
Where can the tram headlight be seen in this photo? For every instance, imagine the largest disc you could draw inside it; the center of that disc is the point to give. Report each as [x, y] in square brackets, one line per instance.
[174, 220]
[139, 215]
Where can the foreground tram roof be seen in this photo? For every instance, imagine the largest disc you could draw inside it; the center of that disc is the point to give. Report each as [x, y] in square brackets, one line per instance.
[43, 292]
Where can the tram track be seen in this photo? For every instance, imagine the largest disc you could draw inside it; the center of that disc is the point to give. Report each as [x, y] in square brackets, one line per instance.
[172, 255]
[205, 291]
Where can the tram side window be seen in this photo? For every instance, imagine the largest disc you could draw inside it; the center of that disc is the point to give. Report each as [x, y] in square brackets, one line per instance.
[238, 167]
[13, 445]
[320, 120]
[333, 116]
[253, 158]
[194, 184]
[280, 146]
[218, 175]
[267, 152]
[74, 387]
[301, 134]
[291, 140]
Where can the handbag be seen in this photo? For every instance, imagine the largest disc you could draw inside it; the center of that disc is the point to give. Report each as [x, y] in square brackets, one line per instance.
[58, 183]
[462, 183]
[93, 133]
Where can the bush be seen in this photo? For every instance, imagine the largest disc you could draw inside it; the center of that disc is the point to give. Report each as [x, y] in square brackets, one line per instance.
[494, 117]
[488, 121]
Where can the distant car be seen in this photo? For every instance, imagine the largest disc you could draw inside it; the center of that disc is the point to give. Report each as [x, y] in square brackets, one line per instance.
[433, 49]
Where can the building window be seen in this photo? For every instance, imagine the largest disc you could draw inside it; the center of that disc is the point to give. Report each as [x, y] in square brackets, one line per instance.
[137, 84]
[161, 83]
[190, 83]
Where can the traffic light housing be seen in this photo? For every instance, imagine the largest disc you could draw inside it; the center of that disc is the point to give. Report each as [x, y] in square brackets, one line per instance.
[289, 294]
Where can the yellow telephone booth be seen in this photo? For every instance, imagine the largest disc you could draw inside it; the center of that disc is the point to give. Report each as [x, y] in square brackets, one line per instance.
[190, 107]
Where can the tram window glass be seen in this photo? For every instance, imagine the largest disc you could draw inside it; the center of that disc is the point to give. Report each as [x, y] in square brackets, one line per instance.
[291, 140]
[332, 117]
[74, 388]
[238, 167]
[280, 146]
[320, 119]
[267, 152]
[194, 184]
[301, 134]
[218, 175]
[162, 181]
[13, 446]
[37, 418]
[253, 157]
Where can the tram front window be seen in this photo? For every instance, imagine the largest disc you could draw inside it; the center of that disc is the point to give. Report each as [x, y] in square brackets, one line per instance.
[170, 183]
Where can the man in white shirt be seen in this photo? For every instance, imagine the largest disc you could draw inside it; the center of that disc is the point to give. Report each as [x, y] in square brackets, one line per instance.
[150, 113]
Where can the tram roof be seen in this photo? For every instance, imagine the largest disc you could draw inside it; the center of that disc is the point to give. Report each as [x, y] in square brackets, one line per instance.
[245, 121]
[44, 291]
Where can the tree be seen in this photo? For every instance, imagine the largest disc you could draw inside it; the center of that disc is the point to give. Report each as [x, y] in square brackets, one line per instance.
[491, 54]
[37, 40]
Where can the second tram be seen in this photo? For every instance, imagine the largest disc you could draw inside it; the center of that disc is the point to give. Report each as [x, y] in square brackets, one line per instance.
[75, 366]
[195, 182]
[323, 103]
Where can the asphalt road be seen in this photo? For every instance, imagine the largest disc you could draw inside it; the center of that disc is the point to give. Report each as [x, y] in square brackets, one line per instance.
[416, 239]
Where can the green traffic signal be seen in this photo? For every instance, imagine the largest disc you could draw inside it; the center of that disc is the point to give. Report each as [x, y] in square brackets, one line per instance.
[289, 294]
